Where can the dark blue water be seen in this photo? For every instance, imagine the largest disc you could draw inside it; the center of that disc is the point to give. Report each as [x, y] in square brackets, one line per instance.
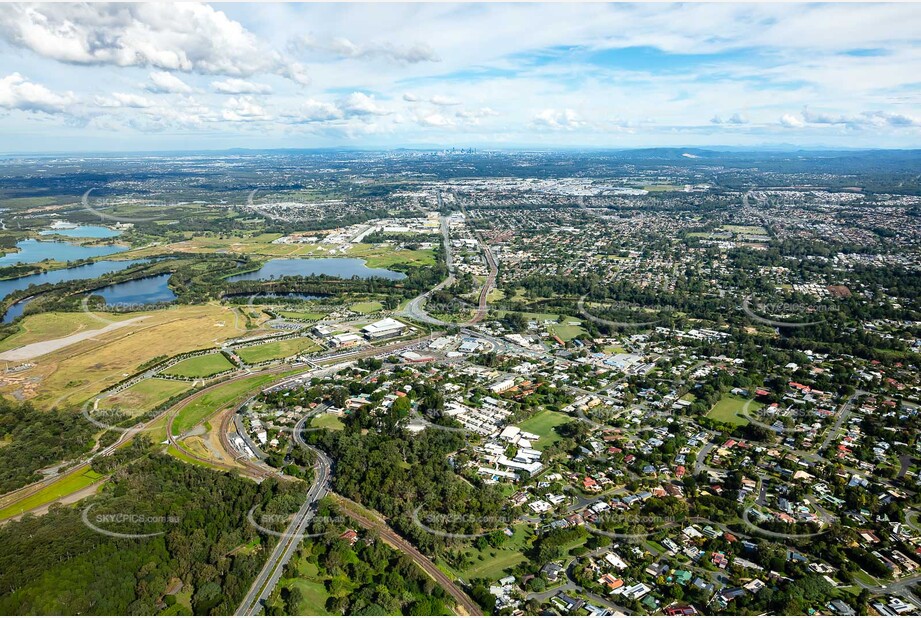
[32, 251]
[87, 271]
[342, 268]
[15, 310]
[84, 231]
[139, 292]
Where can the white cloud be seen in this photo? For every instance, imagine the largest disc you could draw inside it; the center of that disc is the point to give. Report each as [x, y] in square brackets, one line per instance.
[863, 120]
[482, 112]
[434, 120]
[123, 99]
[411, 97]
[243, 109]
[16, 92]
[186, 37]
[792, 122]
[164, 82]
[341, 47]
[235, 85]
[443, 101]
[312, 111]
[558, 119]
[361, 104]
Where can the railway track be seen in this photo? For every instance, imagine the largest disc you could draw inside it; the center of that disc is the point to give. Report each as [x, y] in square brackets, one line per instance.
[387, 534]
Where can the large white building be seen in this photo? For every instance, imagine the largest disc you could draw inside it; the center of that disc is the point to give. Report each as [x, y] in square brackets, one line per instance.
[382, 329]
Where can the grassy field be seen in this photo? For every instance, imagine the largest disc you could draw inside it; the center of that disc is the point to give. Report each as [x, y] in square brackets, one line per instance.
[66, 485]
[200, 366]
[54, 325]
[218, 399]
[146, 395]
[302, 315]
[312, 587]
[543, 424]
[260, 245]
[276, 349]
[384, 257]
[495, 567]
[566, 332]
[372, 306]
[663, 188]
[327, 421]
[728, 408]
[71, 375]
[748, 230]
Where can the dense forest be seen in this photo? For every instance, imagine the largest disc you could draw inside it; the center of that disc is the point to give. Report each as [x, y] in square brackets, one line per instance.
[34, 440]
[366, 578]
[203, 562]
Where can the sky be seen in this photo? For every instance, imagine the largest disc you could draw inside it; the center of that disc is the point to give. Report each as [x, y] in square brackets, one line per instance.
[141, 77]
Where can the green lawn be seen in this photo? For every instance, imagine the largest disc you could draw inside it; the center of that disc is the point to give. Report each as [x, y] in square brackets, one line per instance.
[276, 350]
[566, 332]
[496, 567]
[728, 408]
[327, 421]
[302, 315]
[216, 400]
[663, 188]
[66, 485]
[371, 306]
[543, 424]
[146, 395]
[200, 366]
[751, 230]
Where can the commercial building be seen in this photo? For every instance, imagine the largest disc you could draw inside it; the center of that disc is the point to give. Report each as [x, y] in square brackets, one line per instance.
[383, 329]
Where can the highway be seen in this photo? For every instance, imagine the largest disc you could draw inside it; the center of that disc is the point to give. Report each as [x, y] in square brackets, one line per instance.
[415, 308]
[490, 278]
[274, 567]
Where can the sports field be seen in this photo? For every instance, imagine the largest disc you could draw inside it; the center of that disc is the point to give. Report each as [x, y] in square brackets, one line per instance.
[728, 408]
[276, 350]
[200, 366]
[543, 424]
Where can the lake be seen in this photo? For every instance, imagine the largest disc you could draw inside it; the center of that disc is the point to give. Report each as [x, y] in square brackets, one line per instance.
[341, 268]
[83, 231]
[144, 291]
[15, 310]
[87, 271]
[32, 251]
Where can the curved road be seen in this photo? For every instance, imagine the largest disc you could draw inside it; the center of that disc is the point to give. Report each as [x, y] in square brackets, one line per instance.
[265, 582]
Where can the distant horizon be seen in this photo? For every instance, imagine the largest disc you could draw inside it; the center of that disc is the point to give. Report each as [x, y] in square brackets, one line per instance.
[719, 149]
